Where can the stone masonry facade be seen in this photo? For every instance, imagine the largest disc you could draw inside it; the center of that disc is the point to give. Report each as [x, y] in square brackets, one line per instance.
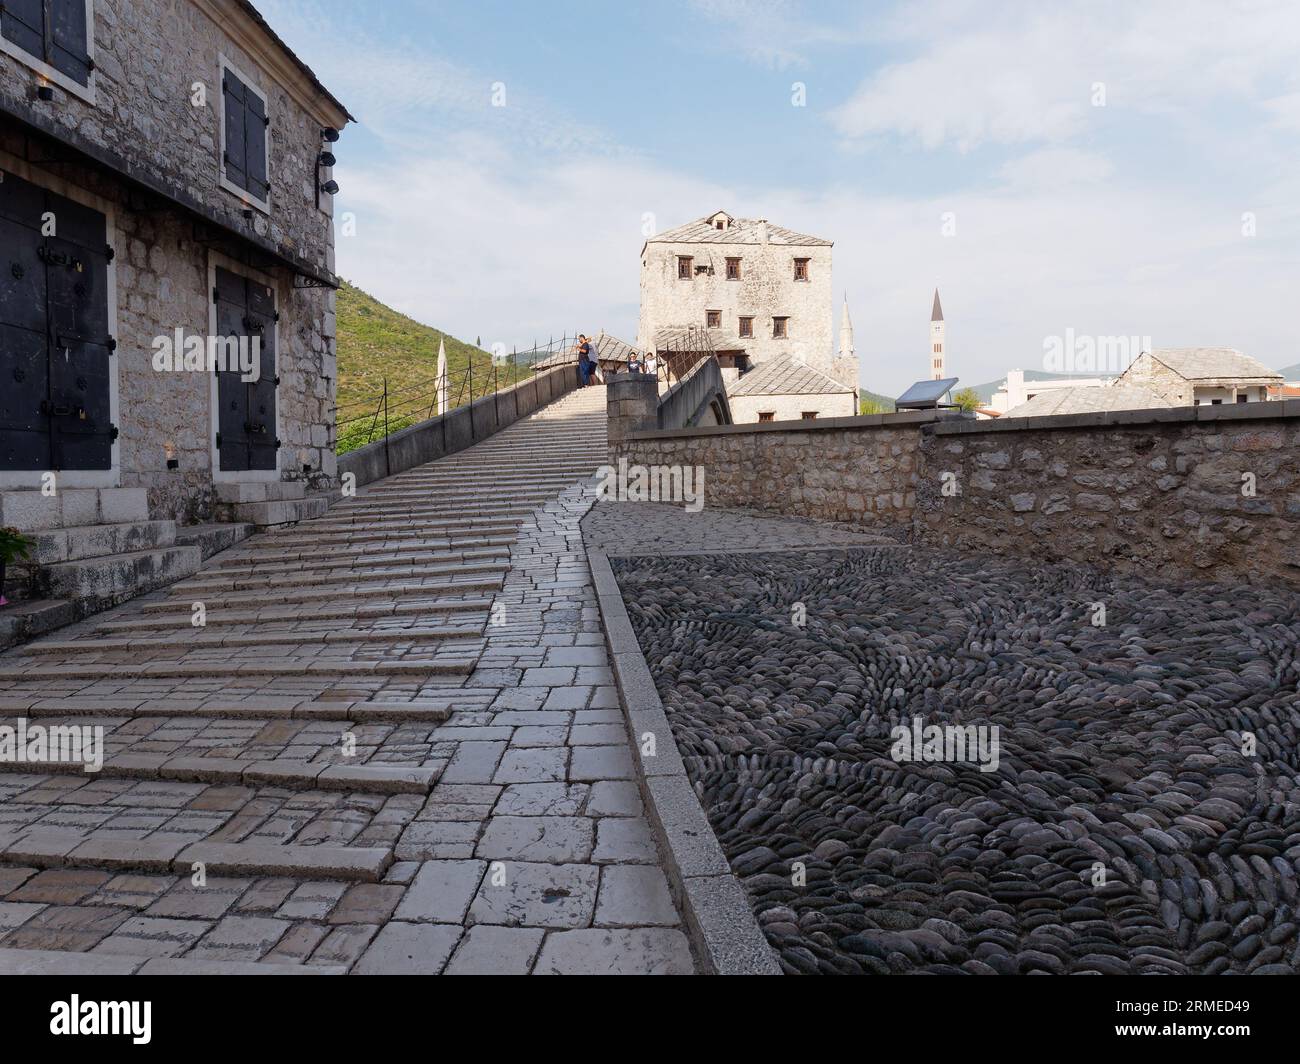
[1199, 492]
[142, 143]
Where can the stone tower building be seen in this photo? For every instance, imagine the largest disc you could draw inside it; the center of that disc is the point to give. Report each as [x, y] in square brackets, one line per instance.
[938, 341]
[166, 204]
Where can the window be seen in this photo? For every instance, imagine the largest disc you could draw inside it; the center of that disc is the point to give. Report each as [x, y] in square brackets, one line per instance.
[684, 267]
[767, 415]
[713, 319]
[801, 269]
[1242, 398]
[746, 326]
[1216, 402]
[938, 363]
[53, 37]
[938, 349]
[780, 328]
[244, 151]
[733, 269]
[808, 415]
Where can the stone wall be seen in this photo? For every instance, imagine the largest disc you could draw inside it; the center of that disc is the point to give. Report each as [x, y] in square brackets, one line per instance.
[746, 408]
[149, 55]
[1209, 492]
[138, 128]
[1141, 491]
[860, 470]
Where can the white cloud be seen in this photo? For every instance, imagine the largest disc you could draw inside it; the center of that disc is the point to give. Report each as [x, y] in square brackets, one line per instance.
[1021, 72]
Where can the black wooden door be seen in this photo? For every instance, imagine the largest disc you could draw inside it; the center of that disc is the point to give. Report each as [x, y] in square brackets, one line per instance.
[246, 410]
[55, 350]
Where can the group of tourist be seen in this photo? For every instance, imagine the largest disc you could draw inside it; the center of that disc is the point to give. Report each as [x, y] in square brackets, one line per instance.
[589, 362]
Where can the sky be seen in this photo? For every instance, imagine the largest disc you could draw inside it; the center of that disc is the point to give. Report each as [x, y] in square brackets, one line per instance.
[1087, 169]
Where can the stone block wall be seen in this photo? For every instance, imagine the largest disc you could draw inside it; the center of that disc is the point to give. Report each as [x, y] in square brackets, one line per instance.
[1206, 492]
[859, 470]
[1209, 491]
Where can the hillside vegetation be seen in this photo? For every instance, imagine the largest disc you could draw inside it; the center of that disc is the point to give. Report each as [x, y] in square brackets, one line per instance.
[376, 342]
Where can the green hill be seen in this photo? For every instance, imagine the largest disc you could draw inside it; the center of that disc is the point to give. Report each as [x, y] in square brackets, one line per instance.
[874, 403]
[376, 343]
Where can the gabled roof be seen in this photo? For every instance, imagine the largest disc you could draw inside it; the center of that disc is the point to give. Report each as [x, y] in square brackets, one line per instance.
[1213, 363]
[785, 376]
[692, 338]
[292, 56]
[936, 314]
[1087, 399]
[741, 231]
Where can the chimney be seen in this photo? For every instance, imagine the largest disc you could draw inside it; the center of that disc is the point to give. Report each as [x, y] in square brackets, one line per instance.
[762, 230]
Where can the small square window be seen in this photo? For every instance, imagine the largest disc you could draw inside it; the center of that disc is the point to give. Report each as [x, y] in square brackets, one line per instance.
[801, 269]
[684, 267]
[746, 326]
[733, 269]
[808, 415]
[713, 319]
[780, 328]
[53, 37]
[1243, 398]
[938, 349]
[767, 415]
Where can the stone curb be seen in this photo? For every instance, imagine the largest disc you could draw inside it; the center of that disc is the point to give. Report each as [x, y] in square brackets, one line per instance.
[724, 935]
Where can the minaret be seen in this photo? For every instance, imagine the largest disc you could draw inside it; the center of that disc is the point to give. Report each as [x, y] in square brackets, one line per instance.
[846, 332]
[938, 341]
[442, 376]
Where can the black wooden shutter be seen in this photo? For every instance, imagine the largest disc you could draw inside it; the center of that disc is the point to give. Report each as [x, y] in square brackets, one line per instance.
[69, 42]
[232, 90]
[23, 22]
[255, 144]
[53, 31]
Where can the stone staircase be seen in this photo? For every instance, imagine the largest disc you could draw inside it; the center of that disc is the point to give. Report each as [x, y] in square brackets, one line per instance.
[226, 702]
[94, 549]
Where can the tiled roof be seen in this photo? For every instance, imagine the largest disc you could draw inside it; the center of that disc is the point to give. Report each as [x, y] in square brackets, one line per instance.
[785, 376]
[741, 231]
[1088, 400]
[687, 338]
[1212, 363]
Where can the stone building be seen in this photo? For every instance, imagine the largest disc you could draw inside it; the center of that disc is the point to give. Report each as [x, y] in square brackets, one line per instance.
[165, 186]
[1197, 376]
[751, 291]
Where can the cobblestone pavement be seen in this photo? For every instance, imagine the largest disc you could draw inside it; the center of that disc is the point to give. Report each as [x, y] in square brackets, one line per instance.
[1133, 810]
[394, 746]
[656, 529]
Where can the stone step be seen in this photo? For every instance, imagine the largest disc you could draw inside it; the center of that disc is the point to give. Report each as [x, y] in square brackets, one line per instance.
[262, 555]
[280, 512]
[256, 707]
[98, 541]
[295, 638]
[212, 539]
[469, 607]
[28, 510]
[285, 596]
[71, 670]
[403, 531]
[68, 962]
[32, 618]
[282, 772]
[50, 850]
[261, 491]
[98, 583]
[295, 577]
[411, 517]
[356, 560]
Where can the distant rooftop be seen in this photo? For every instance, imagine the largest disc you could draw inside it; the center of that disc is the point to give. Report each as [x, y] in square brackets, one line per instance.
[785, 376]
[1089, 400]
[721, 228]
[1213, 363]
